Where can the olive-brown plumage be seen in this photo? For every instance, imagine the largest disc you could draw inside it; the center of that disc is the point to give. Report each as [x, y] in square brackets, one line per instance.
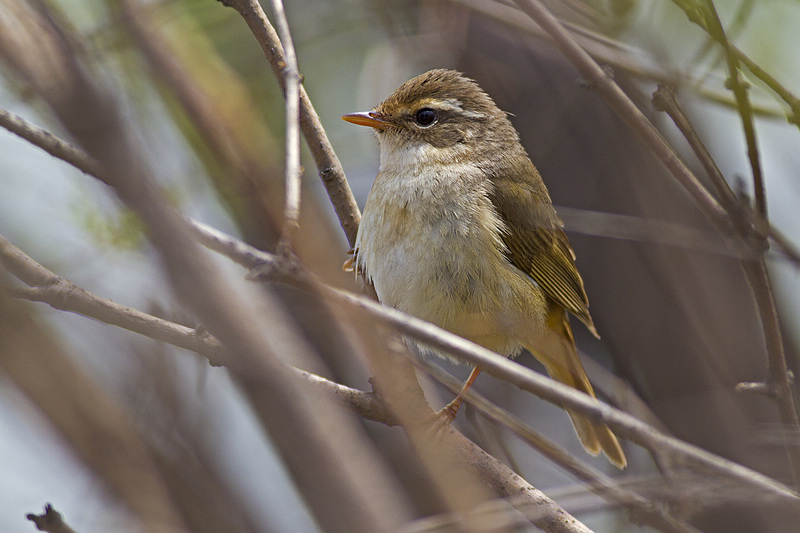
[459, 230]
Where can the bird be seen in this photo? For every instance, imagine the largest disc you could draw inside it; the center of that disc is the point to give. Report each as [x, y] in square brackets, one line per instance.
[459, 230]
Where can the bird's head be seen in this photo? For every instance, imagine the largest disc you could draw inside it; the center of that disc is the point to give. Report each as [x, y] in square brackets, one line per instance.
[441, 113]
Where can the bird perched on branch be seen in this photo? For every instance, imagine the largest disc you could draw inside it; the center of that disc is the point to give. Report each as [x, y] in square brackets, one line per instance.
[459, 230]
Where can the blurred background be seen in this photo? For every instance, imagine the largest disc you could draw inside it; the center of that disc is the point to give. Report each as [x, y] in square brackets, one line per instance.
[677, 320]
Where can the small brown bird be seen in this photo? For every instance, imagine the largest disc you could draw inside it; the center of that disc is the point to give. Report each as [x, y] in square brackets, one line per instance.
[459, 230]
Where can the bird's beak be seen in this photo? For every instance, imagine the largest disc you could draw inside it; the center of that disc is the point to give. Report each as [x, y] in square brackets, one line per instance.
[367, 118]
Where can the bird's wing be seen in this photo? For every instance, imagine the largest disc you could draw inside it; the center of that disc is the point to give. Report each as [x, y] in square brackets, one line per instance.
[535, 242]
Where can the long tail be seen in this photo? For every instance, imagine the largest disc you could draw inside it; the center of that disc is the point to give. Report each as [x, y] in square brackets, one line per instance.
[557, 352]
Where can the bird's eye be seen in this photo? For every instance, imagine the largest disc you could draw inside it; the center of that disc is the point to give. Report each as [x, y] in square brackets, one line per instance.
[425, 116]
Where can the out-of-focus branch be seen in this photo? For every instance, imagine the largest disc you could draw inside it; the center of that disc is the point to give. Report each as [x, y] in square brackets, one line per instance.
[86, 416]
[328, 166]
[346, 470]
[71, 298]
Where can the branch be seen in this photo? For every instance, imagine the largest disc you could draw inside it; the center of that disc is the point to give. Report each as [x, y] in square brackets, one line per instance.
[644, 511]
[505, 369]
[366, 404]
[51, 144]
[328, 165]
[755, 271]
[602, 81]
[346, 469]
[291, 83]
[734, 82]
[697, 16]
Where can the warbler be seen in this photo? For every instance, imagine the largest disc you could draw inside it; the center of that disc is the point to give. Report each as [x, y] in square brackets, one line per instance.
[459, 230]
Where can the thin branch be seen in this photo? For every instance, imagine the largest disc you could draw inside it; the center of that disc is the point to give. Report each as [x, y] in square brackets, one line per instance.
[291, 82]
[636, 228]
[664, 99]
[787, 96]
[779, 378]
[50, 143]
[698, 16]
[62, 294]
[736, 85]
[328, 165]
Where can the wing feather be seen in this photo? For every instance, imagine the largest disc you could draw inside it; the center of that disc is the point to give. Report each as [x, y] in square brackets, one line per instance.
[535, 242]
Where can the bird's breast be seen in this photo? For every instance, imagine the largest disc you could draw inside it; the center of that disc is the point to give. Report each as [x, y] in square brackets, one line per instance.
[432, 245]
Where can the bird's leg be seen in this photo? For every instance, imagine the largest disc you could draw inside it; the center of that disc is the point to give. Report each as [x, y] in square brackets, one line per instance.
[449, 411]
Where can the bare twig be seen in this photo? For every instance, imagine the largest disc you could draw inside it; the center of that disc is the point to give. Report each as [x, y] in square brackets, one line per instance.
[291, 84]
[328, 166]
[62, 294]
[664, 99]
[50, 143]
[51, 521]
[739, 89]
[698, 16]
[786, 95]
[779, 379]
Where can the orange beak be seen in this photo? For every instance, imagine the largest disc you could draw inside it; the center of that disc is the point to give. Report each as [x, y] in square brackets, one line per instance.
[367, 118]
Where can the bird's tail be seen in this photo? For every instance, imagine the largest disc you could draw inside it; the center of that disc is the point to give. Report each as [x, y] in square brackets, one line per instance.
[557, 352]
